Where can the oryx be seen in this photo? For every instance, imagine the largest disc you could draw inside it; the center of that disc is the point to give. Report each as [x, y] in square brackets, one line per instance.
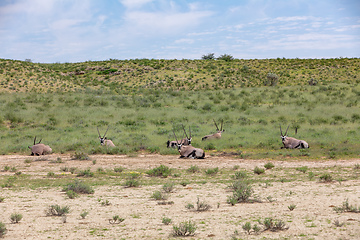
[290, 142]
[216, 135]
[189, 151]
[185, 141]
[104, 141]
[39, 148]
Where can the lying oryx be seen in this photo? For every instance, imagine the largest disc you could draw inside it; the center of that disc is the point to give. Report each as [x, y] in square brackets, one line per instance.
[189, 151]
[290, 142]
[104, 141]
[185, 141]
[216, 135]
[40, 148]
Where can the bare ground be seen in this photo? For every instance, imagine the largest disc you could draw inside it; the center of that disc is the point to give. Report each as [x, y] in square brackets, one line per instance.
[313, 217]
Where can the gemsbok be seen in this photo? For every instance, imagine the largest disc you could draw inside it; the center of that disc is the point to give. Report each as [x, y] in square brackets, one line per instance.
[184, 141]
[188, 151]
[104, 141]
[216, 135]
[40, 148]
[290, 142]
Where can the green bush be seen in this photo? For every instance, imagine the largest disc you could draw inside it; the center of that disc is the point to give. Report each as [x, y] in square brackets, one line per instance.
[57, 210]
[161, 171]
[269, 165]
[258, 170]
[193, 169]
[79, 186]
[186, 228]
[166, 220]
[3, 229]
[326, 177]
[242, 191]
[16, 217]
[159, 195]
[212, 171]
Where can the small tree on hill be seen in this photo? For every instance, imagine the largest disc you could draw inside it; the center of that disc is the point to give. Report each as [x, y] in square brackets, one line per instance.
[209, 56]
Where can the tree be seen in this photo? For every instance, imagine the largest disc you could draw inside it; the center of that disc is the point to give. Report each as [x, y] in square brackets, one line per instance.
[209, 56]
[226, 57]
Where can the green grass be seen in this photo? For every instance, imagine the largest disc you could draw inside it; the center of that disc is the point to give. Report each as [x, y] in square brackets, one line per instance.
[326, 115]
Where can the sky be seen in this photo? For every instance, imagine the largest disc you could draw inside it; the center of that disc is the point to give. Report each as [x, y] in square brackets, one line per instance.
[52, 31]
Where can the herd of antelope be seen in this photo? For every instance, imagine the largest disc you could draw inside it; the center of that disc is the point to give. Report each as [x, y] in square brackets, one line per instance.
[184, 146]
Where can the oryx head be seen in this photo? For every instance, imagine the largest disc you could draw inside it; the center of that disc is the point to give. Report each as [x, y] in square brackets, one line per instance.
[221, 127]
[189, 138]
[102, 139]
[283, 136]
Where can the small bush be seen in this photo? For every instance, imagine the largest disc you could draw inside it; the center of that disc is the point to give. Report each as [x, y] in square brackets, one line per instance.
[2, 199]
[80, 156]
[85, 173]
[159, 195]
[168, 187]
[326, 177]
[193, 169]
[16, 217]
[132, 182]
[3, 229]
[302, 169]
[71, 194]
[79, 187]
[166, 220]
[258, 170]
[269, 165]
[202, 206]
[346, 207]
[240, 175]
[118, 169]
[116, 220]
[56, 210]
[161, 171]
[242, 191]
[83, 214]
[186, 228]
[184, 183]
[212, 171]
[50, 174]
[292, 207]
[273, 225]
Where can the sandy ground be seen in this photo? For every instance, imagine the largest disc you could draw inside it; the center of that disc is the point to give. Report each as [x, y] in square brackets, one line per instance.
[313, 217]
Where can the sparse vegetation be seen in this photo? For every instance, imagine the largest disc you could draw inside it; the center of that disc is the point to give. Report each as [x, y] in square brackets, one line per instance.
[346, 207]
[16, 217]
[116, 220]
[258, 170]
[79, 187]
[3, 229]
[186, 228]
[269, 165]
[161, 171]
[57, 210]
[166, 220]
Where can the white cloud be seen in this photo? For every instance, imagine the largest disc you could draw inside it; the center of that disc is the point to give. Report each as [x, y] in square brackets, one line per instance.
[185, 40]
[134, 3]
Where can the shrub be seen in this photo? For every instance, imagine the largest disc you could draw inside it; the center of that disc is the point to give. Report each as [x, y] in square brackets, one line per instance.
[161, 171]
[80, 156]
[118, 169]
[240, 175]
[247, 227]
[166, 220]
[193, 169]
[56, 210]
[273, 225]
[326, 177]
[346, 207]
[168, 187]
[71, 194]
[202, 206]
[302, 169]
[242, 191]
[186, 228]
[258, 170]
[269, 165]
[83, 214]
[158, 195]
[132, 180]
[51, 174]
[116, 220]
[271, 79]
[212, 171]
[16, 217]
[3, 229]
[79, 187]
[85, 173]
[292, 207]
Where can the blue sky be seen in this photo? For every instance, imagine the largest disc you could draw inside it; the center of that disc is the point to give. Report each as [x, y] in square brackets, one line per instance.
[52, 31]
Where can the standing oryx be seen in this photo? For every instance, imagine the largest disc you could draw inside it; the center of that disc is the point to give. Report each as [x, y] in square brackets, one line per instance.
[104, 141]
[216, 135]
[290, 142]
[40, 148]
[189, 151]
[185, 141]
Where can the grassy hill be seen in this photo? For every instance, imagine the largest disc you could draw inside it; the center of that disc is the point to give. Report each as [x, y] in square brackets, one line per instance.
[144, 100]
[126, 76]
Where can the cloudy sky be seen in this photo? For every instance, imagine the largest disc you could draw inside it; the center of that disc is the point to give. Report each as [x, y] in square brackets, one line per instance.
[52, 31]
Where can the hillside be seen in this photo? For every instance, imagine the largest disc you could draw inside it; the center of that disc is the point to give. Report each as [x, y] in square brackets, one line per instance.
[125, 76]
